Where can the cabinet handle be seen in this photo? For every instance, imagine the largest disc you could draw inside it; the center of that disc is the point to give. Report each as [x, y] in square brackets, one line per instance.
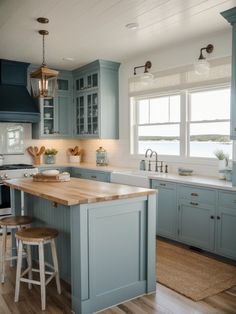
[194, 194]
[212, 217]
[94, 177]
[192, 203]
[218, 217]
[162, 184]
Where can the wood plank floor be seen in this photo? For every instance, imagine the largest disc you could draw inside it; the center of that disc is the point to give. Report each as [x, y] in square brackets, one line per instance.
[164, 301]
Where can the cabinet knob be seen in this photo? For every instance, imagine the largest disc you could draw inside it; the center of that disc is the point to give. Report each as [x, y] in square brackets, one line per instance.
[218, 217]
[212, 217]
[194, 194]
[193, 203]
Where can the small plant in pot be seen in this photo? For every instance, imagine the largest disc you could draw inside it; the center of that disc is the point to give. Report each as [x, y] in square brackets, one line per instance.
[50, 155]
[222, 159]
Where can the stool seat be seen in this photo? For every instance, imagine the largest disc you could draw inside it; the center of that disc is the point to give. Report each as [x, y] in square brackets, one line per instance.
[36, 234]
[16, 221]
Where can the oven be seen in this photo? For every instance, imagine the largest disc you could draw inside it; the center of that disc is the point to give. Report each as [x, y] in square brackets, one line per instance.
[5, 200]
[12, 171]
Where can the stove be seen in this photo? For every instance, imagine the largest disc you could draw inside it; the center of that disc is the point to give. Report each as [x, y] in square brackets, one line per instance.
[12, 171]
[15, 171]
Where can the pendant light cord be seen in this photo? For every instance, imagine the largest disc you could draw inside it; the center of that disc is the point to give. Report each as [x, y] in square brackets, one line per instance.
[44, 63]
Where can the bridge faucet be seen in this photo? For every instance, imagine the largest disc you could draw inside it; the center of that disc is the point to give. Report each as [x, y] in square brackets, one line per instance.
[156, 163]
[146, 153]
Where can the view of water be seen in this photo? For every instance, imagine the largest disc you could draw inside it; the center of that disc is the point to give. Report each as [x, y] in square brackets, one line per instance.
[197, 149]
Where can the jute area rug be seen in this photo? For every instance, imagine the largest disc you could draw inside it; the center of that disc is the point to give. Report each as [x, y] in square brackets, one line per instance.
[192, 274]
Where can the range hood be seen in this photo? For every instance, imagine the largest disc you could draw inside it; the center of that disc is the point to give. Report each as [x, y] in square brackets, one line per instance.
[16, 104]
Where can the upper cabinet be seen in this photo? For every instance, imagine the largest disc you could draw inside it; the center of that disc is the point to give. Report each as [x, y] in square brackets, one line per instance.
[96, 100]
[230, 16]
[56, 113]
[85, 106]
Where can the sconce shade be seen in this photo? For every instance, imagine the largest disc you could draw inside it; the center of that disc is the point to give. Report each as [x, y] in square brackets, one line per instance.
[202, 67]
[43, 82]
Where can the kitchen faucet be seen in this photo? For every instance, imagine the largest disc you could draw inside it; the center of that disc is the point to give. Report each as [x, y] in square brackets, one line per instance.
[146, 153]
[156, 162]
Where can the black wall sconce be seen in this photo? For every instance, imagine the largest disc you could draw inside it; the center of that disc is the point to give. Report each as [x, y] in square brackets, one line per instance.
[147, 66]
[202, 66]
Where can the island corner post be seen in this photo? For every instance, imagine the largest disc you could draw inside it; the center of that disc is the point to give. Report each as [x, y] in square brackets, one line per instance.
[106, 249]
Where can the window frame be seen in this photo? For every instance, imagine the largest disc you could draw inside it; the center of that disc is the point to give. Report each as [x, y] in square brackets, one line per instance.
[184, 124]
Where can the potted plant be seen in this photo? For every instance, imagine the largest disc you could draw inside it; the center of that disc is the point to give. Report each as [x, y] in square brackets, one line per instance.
[50, 155]
[221, 156]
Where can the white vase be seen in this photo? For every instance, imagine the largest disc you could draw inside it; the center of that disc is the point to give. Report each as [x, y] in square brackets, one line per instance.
[221, 166]
[74, 159]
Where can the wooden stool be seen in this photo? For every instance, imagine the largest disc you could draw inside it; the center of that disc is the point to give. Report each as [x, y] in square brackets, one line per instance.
[39, 237]
[12, 222]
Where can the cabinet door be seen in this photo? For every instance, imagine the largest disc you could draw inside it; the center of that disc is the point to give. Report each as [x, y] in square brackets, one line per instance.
[81, 113]
[167, 222]
[197, 224]
[63, 115]
[92, 113]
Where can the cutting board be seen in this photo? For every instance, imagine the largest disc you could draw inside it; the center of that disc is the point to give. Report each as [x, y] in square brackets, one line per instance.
[61, 177]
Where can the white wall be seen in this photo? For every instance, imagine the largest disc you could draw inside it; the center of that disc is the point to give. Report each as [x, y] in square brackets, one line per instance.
[170, 57]
[118, 150]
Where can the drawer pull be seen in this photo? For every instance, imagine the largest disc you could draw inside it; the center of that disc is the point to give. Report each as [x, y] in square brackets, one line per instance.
[194, 194]
[94, 177]
[193, 203]
[218, 217]
[212, 217]
[162, 184]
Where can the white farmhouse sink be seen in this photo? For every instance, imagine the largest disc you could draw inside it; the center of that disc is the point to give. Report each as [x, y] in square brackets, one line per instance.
[131, 177]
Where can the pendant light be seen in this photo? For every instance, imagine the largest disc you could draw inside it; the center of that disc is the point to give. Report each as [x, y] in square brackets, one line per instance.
[202, 66]
[43, 80]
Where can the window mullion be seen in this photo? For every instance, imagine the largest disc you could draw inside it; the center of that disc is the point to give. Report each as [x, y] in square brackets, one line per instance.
[183, 135]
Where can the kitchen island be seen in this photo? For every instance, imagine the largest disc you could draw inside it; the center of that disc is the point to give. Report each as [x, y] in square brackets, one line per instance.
[106, 243]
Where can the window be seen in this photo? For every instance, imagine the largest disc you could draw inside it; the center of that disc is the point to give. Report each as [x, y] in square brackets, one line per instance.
[209, 125]
[159, 125]
[188, 124]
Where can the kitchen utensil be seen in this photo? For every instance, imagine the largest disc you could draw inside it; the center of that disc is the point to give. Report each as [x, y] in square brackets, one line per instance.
[36, 153]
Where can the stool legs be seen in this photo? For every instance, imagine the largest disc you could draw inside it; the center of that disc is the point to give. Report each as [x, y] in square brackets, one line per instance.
[18, 271]
[42, 276]
[55, 264]
[4, 241]
[29, 262]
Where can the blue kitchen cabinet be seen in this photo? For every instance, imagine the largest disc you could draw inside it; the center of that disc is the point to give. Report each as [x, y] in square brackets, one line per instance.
[226, 225]
[197, 216]
[230, 16]
[96, 100]
[167, 211]
[90, 174]
[56, 113]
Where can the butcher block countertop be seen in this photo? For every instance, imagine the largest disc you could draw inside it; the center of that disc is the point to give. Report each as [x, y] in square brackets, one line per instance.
[77, 191]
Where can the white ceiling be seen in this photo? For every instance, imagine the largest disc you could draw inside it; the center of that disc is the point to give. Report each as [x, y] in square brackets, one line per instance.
[90, 29]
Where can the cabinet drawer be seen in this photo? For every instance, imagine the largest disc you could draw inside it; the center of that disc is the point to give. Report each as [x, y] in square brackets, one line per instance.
[227, 199]
[163, 184]
[200, 195]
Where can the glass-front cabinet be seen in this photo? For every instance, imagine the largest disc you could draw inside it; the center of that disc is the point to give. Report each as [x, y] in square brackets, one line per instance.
[96, 100]
[87, 114]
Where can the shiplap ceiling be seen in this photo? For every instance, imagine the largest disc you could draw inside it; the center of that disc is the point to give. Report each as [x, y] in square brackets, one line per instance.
[90, 29]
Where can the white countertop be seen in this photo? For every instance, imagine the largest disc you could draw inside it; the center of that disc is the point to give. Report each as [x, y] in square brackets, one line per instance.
[210, 182]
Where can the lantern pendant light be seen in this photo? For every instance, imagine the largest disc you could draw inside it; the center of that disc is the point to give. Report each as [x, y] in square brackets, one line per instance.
[43, 80]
